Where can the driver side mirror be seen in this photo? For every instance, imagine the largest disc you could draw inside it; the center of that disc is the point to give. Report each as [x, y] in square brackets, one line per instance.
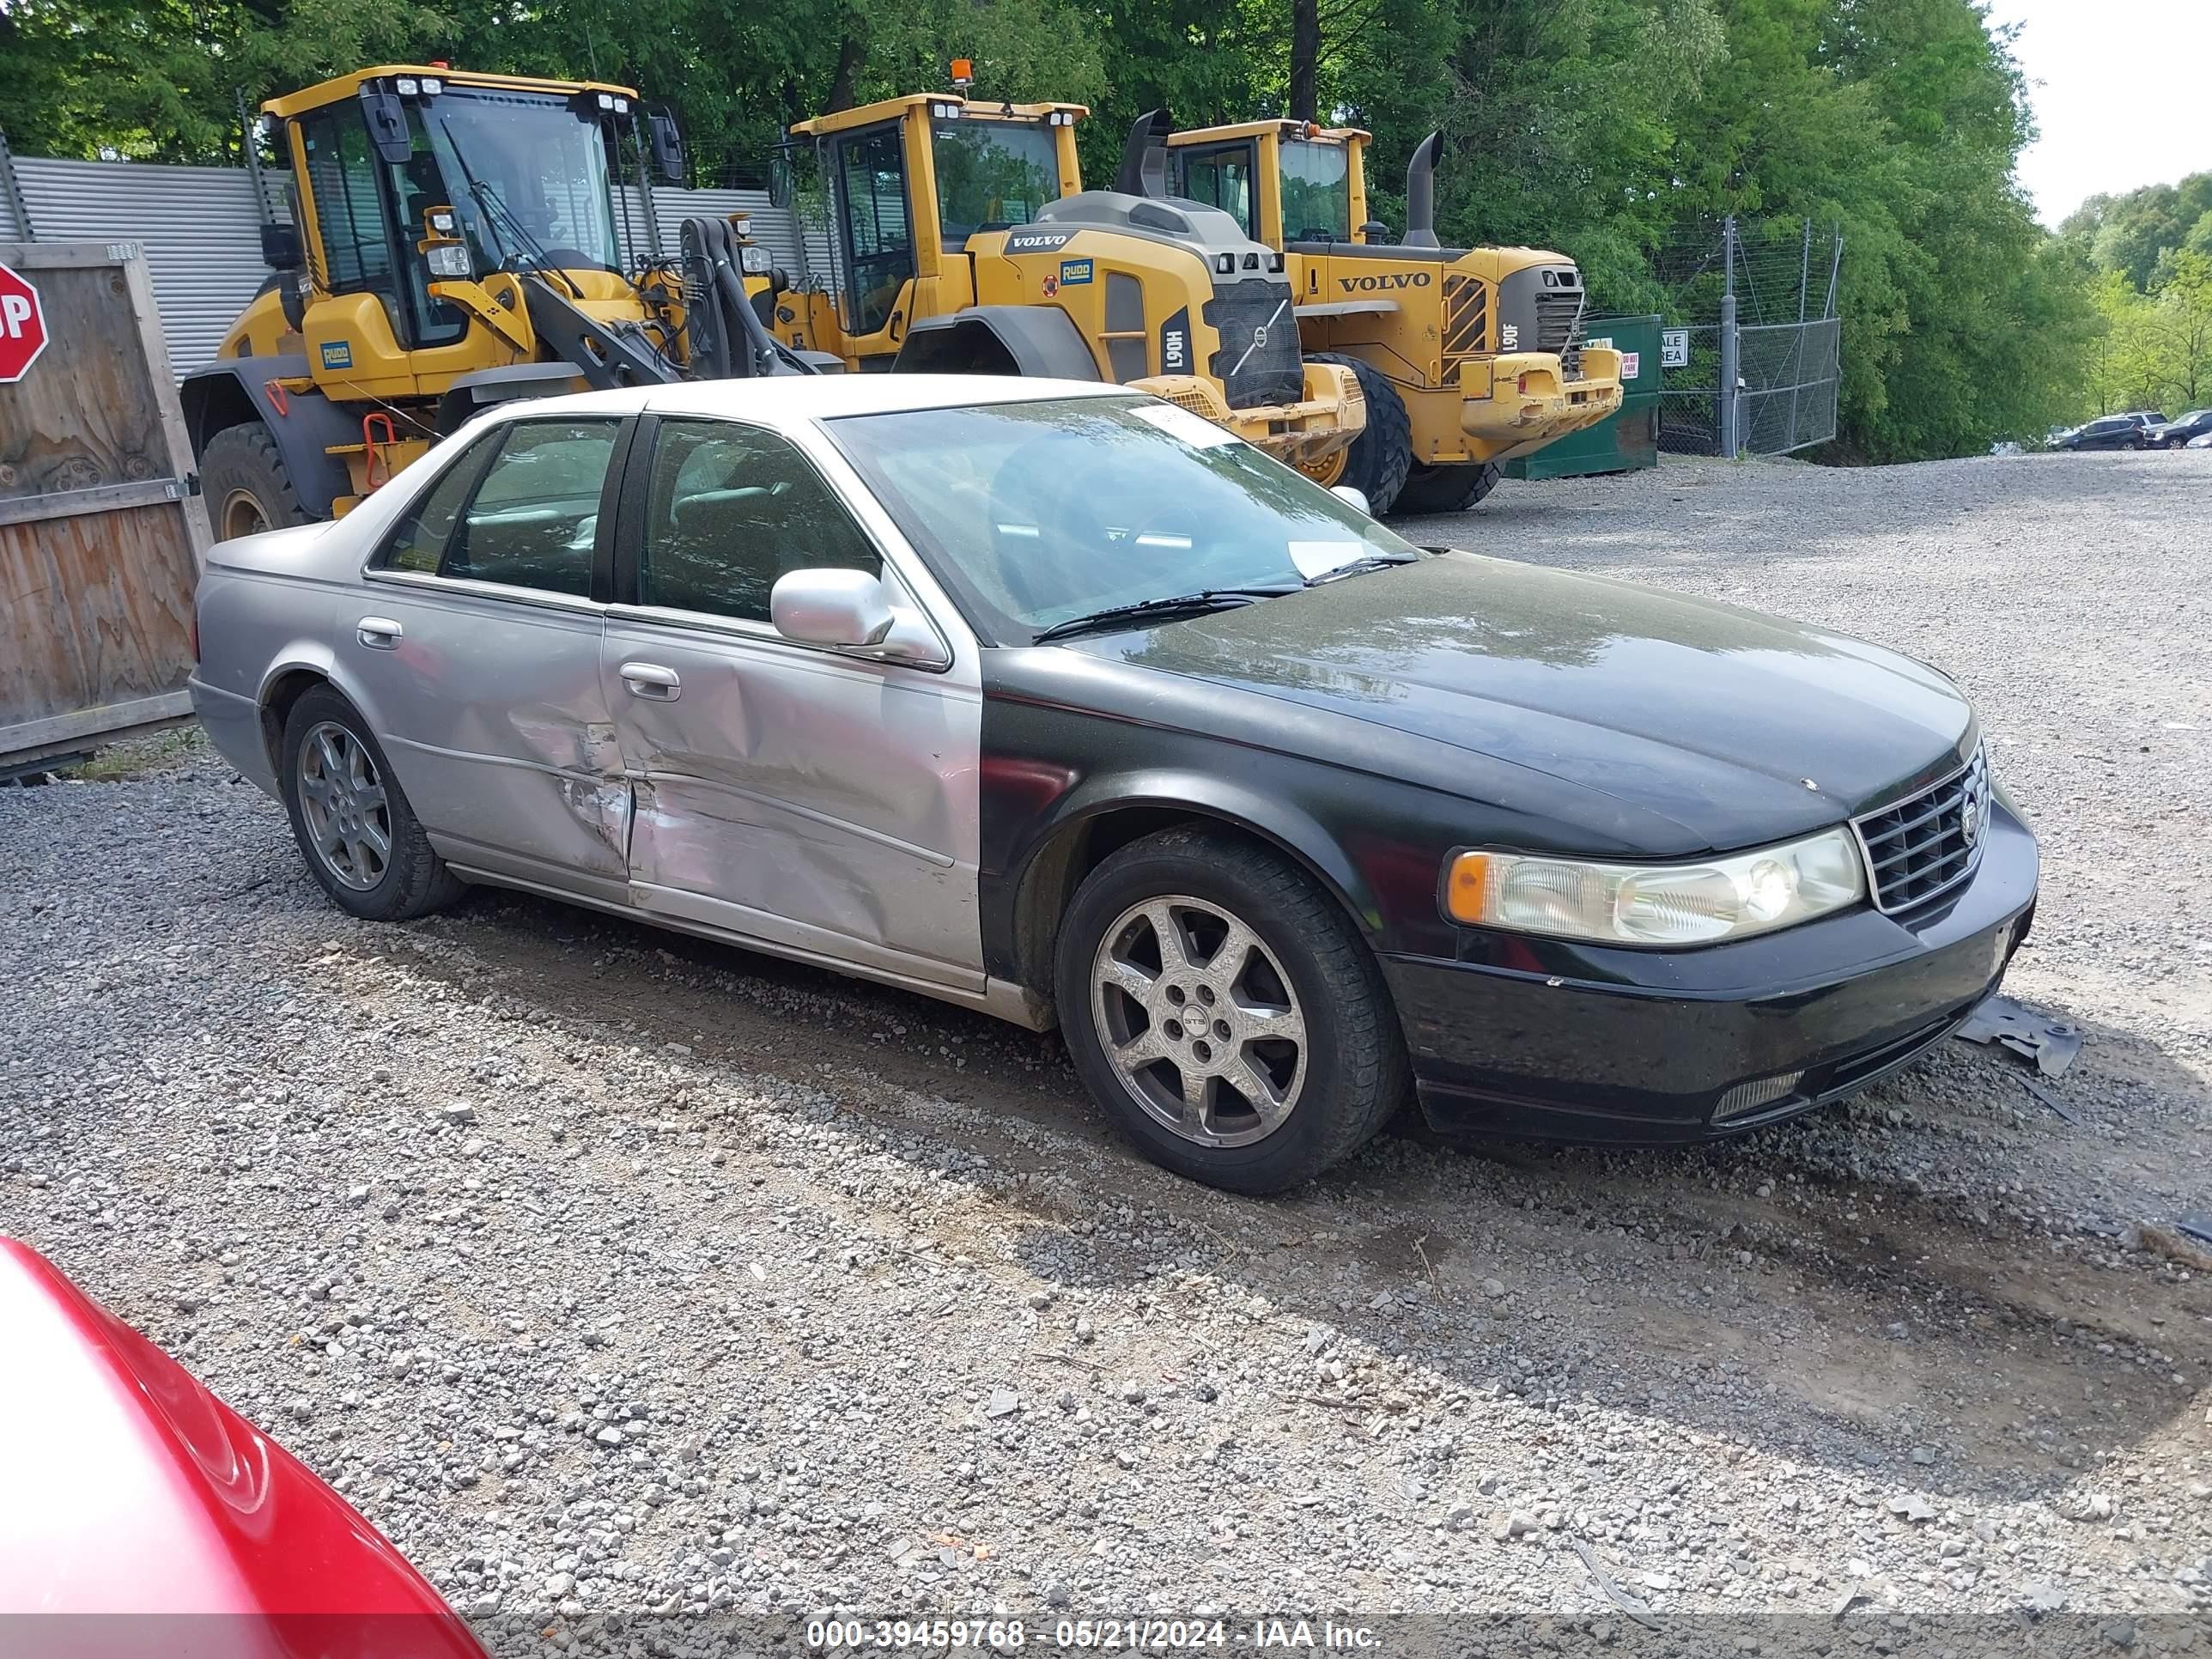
[850, 610]
[668, 146]
[1354, 499]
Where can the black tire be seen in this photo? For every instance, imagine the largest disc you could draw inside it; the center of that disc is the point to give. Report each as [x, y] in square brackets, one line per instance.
[1355, 1071]
[1450, 489]
[243, 478]
[2177, 443]
[1377, 462]
[413, 880]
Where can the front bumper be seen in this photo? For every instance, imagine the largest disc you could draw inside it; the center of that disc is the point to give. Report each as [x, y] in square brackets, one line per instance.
[1557, 1040]
[1513, 406]
[1330, 414]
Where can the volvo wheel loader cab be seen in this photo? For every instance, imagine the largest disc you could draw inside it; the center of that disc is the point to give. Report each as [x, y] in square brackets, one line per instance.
[452, 243]
[1467, 356]
[962, 241]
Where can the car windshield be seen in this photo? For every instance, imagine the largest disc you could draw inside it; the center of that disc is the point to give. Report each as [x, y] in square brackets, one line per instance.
[528, 174]
[1316, 191]
[1033, 514]
[990, 174]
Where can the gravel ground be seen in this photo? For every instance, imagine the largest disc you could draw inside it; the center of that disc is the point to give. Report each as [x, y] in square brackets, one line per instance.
[631, 1284]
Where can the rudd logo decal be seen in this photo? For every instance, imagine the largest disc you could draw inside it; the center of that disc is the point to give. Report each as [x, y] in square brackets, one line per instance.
[336, 354]
[1389, 279]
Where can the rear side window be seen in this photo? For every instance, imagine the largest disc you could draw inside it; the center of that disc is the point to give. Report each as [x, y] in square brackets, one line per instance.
[417, 542]
[732, 510]
[533, 519]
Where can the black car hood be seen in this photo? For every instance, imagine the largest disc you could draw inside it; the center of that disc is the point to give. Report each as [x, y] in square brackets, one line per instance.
[1736, 726]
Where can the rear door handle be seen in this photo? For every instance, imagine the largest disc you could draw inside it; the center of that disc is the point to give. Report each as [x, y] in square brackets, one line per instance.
[378, 633]
[651, 680]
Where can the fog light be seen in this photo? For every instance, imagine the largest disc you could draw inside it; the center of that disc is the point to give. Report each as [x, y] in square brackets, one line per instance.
[1759, 1091]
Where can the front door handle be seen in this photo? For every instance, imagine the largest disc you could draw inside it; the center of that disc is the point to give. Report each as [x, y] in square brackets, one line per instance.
[650, 679]
[378, 633]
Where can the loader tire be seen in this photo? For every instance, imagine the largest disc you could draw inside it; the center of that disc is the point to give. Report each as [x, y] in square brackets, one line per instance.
[1451, 489]
[1376, 463]
[245, 483]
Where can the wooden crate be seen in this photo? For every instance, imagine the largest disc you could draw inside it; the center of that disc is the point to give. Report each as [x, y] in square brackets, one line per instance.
[101, 538]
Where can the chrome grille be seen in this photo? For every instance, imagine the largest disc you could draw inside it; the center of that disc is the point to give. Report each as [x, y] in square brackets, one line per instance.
[1928, 842]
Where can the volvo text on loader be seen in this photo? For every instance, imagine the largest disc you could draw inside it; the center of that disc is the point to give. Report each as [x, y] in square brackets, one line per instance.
[962, 241]
[453, 243]
[1468, 357]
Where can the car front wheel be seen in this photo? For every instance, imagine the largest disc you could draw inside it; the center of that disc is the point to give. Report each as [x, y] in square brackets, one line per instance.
[1225, 1012]
[362, 840]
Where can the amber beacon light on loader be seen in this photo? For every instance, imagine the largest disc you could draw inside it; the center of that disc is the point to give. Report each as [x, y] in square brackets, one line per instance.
[961, 241]
[1468, 357]
[452, 244]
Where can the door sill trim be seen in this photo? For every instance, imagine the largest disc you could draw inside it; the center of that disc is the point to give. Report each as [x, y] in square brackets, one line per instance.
[1000, 998]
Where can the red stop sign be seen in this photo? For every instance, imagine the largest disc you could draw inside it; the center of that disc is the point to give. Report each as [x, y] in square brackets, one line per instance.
[22, 326]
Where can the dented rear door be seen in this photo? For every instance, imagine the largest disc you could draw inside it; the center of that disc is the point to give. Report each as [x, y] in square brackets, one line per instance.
[474, 645]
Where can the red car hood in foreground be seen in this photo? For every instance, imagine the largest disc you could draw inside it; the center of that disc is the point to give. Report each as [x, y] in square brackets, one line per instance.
[132, 1490]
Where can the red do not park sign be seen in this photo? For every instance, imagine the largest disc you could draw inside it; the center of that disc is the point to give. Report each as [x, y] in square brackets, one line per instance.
[22, 326]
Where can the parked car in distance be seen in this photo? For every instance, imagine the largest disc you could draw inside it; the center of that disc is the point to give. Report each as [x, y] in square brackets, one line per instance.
[142, 1494]
[2105, 432]
[2177, 432]
[1055, 701]
[2203, 440]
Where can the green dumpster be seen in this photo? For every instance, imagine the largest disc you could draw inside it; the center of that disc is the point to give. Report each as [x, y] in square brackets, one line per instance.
[1628, 438]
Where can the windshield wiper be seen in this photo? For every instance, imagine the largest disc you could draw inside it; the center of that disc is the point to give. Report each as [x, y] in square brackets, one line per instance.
[504, 223]
[1205, 599]
[1361, 566]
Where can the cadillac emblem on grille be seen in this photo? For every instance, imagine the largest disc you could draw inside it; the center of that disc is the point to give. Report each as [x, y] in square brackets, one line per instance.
[1970, 812]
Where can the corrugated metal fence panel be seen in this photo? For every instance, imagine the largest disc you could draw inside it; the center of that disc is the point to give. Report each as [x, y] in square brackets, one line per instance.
[773, 227]
[197, 226]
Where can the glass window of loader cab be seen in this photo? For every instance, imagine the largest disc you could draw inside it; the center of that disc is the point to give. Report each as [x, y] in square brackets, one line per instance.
[992, 175]
[1316, 191]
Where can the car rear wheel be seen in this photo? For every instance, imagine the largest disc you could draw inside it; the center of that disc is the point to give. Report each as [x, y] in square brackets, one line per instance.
[362, 840]
[1225, 1012]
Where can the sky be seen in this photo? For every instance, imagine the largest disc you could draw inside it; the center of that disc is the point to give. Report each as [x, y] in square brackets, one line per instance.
[2119, 89]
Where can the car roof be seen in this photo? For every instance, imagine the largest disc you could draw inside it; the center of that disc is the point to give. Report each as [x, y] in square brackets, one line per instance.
[788, 398]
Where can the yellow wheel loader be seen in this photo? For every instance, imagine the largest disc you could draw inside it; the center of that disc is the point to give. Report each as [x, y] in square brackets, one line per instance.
[962, 241]
[1468, 357]
[452, 243]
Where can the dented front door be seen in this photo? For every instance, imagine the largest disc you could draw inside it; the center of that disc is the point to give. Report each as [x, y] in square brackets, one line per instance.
[822, 805]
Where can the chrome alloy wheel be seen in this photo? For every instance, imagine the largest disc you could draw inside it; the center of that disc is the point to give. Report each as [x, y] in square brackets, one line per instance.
[1199, 1021]
[343, 803]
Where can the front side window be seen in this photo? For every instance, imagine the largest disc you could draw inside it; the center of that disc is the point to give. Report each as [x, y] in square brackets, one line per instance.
[992, 175]
[732, 510]
[1036, 513]
[1316, 191]
[1220, 176]
[533, 521]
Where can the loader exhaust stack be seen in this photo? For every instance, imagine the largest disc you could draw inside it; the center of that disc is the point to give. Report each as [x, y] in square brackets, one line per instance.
[1421, 192]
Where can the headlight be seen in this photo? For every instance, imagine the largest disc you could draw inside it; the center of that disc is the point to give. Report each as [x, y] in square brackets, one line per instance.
[756, 260]
[447, 259]
[1649, 904]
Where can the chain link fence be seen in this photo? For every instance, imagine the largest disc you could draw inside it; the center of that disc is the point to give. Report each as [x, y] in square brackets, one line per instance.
[1752, 343]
